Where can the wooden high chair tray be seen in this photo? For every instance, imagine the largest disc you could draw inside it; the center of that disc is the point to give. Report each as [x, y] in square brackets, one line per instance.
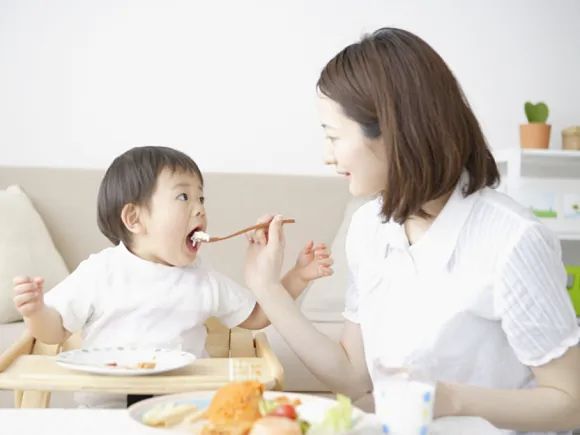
[29, 368]
[41, 373]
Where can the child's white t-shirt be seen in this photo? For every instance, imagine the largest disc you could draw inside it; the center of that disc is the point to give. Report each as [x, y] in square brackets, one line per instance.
[116, 298]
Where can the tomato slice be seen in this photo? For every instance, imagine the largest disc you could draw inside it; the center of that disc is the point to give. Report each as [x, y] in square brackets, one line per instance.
[285, 410]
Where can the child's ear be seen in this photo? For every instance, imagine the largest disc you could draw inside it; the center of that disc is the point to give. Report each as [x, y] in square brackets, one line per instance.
[131, 217]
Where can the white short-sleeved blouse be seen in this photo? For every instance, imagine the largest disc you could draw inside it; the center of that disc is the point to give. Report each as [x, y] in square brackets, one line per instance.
[478, 299]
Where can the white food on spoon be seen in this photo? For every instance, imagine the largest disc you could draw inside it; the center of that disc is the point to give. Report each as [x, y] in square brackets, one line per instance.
[200, 236]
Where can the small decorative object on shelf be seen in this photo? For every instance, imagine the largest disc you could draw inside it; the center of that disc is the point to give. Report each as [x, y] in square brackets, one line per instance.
[535, 134]
[571, 138]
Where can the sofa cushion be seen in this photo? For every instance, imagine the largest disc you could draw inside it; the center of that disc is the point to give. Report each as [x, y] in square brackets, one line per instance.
[25, 249]
[324, 300]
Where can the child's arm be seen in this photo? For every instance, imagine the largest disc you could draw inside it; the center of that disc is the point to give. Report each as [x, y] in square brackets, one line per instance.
[43, 322]
[313, 262]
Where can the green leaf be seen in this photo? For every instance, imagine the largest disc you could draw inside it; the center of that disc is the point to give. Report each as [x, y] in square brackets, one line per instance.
[536, 113]
[337, 419]
[266, 406]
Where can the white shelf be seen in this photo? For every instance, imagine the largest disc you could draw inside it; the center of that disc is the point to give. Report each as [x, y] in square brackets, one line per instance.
[551, 169]
[518, 156]
[550, 154]
[551, 161]
[564, 230]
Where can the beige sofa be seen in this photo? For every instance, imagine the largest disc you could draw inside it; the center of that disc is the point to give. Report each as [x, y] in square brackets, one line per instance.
[66, 201]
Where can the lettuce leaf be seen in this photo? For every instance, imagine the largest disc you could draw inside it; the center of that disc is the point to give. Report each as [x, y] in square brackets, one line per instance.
[337, 419]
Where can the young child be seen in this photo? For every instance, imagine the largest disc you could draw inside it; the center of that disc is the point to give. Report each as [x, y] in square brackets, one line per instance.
[150, 289]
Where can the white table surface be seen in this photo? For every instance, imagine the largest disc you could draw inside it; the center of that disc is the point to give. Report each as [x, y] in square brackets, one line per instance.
[117, 421]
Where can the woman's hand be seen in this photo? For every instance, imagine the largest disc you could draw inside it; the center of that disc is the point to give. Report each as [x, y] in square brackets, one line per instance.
[265, 255]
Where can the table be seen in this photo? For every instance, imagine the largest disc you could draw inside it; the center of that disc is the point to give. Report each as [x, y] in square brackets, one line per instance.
[117, 421]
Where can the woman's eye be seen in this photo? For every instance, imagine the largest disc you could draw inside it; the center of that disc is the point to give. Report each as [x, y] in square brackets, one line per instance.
[182, 197]
[202, 199]
[332, 139]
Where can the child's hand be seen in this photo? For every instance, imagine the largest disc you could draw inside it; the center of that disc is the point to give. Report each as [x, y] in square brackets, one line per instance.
[28, 295]
[313, 262]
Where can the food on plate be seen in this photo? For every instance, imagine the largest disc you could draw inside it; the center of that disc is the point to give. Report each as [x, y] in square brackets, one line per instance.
[239, 408]
[241, 428]
[272, 425]
[236, 402]
[338, 419]
[168, 414]
[285, 410]
[138, 365]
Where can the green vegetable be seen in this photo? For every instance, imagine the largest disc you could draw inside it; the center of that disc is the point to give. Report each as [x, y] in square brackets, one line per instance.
[304, 426]
[266, 407]
[337, 419]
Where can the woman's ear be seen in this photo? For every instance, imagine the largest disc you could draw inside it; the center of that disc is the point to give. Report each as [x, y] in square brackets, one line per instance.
[131, 217]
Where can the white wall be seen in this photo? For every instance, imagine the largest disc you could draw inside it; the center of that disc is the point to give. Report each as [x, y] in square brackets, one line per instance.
[232, 82]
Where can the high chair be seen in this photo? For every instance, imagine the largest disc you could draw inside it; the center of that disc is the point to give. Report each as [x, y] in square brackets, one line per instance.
[28, 367]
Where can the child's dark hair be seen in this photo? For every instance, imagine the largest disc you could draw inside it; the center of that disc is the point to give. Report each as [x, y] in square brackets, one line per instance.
[131, 179]
[394, 85]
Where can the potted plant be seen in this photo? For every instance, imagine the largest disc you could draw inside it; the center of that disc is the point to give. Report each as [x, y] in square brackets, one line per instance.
[535, 134]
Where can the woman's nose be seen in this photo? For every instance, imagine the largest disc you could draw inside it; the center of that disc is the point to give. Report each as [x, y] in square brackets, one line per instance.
[329, 158]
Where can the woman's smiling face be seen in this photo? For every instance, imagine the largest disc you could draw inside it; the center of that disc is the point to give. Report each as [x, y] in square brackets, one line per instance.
[361, 159]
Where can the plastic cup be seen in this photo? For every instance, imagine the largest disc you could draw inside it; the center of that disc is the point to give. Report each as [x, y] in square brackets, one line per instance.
[403, 406]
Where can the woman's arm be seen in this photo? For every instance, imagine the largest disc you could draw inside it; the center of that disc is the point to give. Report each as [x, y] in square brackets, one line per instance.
[340, 365]
[554, 404]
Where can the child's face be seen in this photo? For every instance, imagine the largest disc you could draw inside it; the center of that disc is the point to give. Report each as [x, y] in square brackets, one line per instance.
[176, 210]
[360, 159]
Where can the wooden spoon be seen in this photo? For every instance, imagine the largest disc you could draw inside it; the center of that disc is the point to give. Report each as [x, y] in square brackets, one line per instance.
[204, 237]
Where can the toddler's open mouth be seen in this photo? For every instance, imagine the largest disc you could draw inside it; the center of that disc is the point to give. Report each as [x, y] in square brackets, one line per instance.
[192, 243]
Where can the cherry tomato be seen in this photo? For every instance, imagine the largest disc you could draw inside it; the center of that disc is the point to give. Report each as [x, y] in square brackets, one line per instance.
[285, 410]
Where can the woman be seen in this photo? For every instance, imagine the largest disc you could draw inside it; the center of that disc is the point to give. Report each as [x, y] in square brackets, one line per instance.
[448, 276]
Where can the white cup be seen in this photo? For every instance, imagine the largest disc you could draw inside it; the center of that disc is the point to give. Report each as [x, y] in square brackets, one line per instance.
[404, 406]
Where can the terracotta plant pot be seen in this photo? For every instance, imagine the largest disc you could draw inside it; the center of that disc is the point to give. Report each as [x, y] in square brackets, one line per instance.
[535, 135]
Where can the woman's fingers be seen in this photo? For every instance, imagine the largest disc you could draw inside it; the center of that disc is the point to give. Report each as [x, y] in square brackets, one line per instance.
[276, 233]
[260, 236]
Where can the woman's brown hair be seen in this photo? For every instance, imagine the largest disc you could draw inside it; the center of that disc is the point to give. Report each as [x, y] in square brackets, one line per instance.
[396, 86]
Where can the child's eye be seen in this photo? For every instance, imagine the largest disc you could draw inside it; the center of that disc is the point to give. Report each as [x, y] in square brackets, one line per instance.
[182, 197]
[202, 199]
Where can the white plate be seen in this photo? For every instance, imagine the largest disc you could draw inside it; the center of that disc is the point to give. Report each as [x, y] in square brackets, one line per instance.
[97, 360]
[311, 409]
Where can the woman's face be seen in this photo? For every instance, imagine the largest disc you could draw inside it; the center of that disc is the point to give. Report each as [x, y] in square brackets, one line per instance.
[360, 159]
